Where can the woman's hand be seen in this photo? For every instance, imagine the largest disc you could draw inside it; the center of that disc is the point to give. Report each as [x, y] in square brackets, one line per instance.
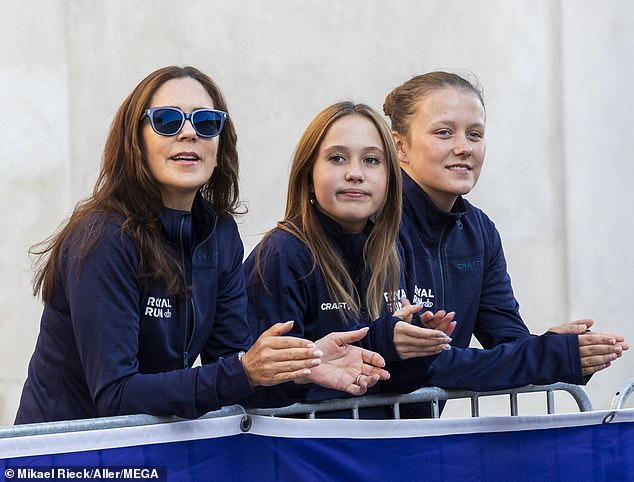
[597, 350]
[275, 359]
[441, 320]
[413, 341]
[347, 367]
[572, 327]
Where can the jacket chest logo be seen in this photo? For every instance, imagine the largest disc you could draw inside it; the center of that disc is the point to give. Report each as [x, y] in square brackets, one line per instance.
[158, 307]
[336, 305]
[393, 299]
[423, 296]
[471, 264]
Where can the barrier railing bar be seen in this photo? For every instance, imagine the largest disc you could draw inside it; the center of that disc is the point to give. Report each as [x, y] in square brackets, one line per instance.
[435, 409]
[396, 410]
[620, 397]
[103, 423]
[550, 401]
[514, 409]
[475, 406]
[427, 394]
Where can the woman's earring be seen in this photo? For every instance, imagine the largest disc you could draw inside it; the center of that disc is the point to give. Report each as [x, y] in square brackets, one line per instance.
[311, 198]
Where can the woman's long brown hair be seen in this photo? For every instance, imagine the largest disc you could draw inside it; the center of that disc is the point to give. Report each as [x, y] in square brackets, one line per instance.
[125, 189]
[300, 219]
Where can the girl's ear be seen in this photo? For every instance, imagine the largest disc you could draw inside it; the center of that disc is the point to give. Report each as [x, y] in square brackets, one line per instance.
[401, 147]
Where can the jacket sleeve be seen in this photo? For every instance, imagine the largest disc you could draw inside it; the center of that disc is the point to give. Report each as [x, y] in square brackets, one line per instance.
[498, 319]
[537, 360]
[281, 290]
[104, 299]
[380, 337]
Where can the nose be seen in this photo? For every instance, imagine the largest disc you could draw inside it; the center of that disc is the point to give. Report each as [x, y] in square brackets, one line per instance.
[354, 173]
[188, 131]
[463, 147]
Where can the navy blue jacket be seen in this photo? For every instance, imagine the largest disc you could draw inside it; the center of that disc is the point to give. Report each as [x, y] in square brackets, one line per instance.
[113, 342]
[455, 262]
[295, 289]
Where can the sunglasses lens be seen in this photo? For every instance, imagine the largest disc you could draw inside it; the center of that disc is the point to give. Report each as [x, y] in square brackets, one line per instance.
[207, 123]
[167, 121]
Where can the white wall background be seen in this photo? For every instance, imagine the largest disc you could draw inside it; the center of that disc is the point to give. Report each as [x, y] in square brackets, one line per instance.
[559, 172]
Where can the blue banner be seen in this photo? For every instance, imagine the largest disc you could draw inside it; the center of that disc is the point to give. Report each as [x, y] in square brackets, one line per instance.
[579, 447]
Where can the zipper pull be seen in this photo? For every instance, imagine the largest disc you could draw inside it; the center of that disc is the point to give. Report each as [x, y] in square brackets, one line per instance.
[459, 224]
[185, 362]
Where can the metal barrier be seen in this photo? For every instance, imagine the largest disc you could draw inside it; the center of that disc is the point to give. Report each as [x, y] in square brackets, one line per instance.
[103, 423]
[620, 397]
[433, 395]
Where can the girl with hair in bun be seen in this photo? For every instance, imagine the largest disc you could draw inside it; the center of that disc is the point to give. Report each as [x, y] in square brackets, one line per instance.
[454, 258]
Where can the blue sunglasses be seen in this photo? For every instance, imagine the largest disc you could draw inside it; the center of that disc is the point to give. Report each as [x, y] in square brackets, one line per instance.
[169, 121]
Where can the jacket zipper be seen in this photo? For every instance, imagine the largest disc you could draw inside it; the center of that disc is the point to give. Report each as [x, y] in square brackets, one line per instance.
[191, 337]
[186, 342]
[441, 260]
[440, 265]
[192, 302]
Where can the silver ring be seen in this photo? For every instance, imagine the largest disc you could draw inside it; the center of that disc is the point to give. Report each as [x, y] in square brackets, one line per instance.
[358, 380]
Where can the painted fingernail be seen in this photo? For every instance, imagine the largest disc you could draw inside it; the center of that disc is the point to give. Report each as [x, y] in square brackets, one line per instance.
[306, 372]
[310, 345]
[618, 349]
[318, 353]
[446, 347]
[316, 361]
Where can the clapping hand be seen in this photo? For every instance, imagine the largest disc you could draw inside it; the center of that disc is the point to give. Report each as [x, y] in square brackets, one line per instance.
[597, 350]
[275, 359]
[413, 341]
[347, 367]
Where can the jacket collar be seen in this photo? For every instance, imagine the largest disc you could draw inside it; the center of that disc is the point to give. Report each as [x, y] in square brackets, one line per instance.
[337, 235]
[418, 205]
[191, 227]
[349, 245]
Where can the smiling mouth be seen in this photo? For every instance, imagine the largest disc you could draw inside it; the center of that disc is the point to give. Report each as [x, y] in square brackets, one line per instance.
[459, 167]
[185, 158]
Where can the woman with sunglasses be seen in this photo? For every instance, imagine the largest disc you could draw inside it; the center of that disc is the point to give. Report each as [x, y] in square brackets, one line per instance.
[332, 263]
[147, 275]
[454, 257]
